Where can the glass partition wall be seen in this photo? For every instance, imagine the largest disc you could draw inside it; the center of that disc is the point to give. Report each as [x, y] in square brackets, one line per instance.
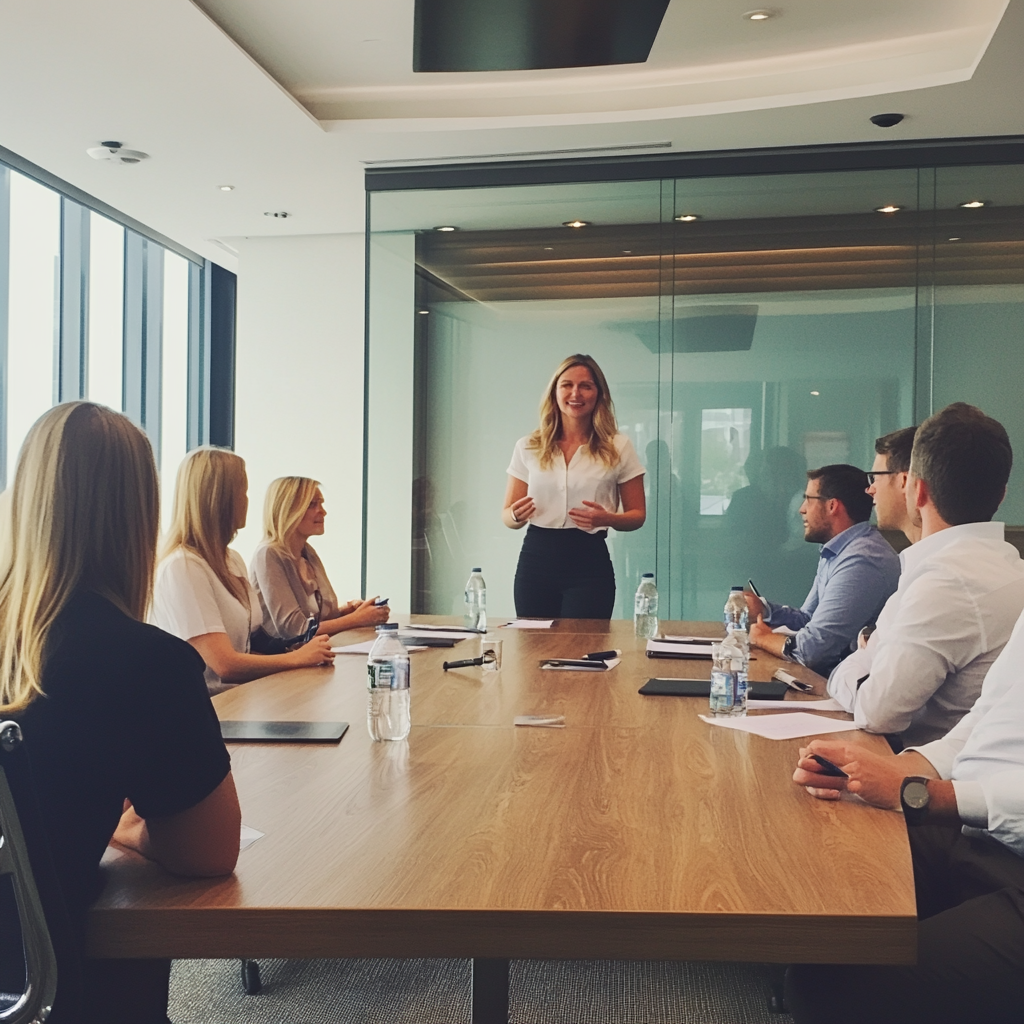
[750, 327]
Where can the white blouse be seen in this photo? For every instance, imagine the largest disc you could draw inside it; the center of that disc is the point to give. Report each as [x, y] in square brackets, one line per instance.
[561, 487]
[189, 600]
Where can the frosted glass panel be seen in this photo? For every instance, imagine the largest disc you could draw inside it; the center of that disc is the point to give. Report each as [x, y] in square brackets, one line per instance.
[106, 311]
[34, 298]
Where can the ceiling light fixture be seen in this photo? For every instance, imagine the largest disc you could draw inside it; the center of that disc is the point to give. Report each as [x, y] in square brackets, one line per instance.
[891, 208]
[226, 188]
[279, 214]
[886, 120]
[549, 248]
[688, 218]
[115, 153]
[974, 204]
[955, 238]
[576, 224]
[815, 392]
[446, 227]
[762, 14]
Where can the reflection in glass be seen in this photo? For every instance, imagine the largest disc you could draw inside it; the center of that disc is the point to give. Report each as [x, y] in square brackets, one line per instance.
[724, 449]
[174, 377]
[106, 311]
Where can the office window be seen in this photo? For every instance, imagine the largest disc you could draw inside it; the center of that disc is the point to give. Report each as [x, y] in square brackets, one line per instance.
[174, 377]
[32, 307]
[106, 312]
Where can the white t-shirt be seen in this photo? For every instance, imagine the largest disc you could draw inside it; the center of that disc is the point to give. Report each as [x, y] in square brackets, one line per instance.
[561, 487]
[189, 600]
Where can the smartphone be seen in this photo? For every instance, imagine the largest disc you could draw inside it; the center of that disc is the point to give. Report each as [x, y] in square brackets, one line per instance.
[381, 601]
[753, 589]
[830, 769]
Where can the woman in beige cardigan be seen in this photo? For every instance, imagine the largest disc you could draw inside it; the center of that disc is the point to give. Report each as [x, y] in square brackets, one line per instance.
[287, 573]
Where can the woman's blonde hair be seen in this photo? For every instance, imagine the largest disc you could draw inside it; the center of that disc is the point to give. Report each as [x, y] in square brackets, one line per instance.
[601, 445]
[83, 514]
[208, 496]
[287, 499]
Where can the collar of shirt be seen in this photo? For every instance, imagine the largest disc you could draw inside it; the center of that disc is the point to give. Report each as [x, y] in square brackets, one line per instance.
[928, 547]
[840, 540]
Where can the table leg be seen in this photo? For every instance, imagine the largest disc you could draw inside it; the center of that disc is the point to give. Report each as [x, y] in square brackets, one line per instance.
[490, 991]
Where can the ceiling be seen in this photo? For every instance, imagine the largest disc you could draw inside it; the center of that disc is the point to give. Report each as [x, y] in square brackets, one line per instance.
[289, 101]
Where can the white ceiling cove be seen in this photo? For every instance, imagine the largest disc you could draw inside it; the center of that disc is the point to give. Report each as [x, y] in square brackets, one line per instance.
[261, 113]
[347, 62]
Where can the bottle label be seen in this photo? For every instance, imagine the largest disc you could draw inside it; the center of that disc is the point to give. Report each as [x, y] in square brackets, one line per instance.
[388, 675]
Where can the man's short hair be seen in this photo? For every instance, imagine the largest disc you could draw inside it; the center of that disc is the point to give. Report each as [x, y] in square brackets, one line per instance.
[965, 458]
[896, 447]
[847, 484]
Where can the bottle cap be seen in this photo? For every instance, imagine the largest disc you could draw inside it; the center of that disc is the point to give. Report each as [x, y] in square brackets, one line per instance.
[648, 576]
[477, 569]
[740, 589]
[387, 627]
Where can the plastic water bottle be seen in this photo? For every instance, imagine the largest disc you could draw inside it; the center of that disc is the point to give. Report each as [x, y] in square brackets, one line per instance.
[476, 602]
[645, 608]
[728, 678]
[388, 715]
[737, 640]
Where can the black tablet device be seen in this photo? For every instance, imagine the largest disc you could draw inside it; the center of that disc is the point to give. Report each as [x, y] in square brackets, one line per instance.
[702, 688]
[283, 732]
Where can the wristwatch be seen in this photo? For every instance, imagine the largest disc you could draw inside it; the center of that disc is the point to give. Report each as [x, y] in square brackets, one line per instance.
[914, 799]
[789, 647]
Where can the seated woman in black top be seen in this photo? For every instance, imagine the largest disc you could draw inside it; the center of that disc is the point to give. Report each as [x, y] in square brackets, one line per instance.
[120, 733]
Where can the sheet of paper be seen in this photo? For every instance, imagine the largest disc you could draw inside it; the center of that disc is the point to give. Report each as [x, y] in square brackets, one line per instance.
[663, 647]
[795, 705]
[431, 627]
[439, 633]
[529, 624]
[610, 663]
[248, 836]
[704, 641]
[541, 721]
[782, 727]
[364, 648]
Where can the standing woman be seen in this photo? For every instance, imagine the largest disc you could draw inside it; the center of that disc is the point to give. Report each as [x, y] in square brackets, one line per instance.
[568, 481]
[120, 735]
[202, 591]
[287, 573]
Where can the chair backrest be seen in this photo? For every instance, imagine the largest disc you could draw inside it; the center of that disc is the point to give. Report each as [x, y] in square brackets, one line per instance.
[36, 1001]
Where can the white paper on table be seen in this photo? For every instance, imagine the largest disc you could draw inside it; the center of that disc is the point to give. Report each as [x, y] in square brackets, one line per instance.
[431, 627]
[541, 721]
[529, 624]
[661, 647]
[364, 648]
[783, 727]
[440, 634]
[704, 641]
[610, 663]
[831, 704]
[248, 836]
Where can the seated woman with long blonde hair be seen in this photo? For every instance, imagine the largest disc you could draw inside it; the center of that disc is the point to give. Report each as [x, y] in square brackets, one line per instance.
[119, 732]
[287, 573]
[202, 591]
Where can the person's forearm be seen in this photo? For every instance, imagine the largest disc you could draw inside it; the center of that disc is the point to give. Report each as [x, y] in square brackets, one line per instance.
[512, 524]
[942, 807]
[771, 642]
[243, 668]
[625, 522]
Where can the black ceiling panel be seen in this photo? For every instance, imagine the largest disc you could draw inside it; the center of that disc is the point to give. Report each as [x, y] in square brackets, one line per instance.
[525, 35]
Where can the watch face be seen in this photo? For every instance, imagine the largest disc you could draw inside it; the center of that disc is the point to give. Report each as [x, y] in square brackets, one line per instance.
[915, 795]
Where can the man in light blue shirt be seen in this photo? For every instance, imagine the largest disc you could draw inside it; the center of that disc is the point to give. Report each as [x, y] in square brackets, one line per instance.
[857, 573]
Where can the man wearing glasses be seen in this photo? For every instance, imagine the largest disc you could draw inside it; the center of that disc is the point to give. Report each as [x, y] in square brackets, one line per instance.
[960, 593]
[857, 572]
[887, 484]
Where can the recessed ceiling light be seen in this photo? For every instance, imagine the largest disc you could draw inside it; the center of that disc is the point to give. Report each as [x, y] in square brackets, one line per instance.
[627, 251]
[279, 214]
[686, 218]
[226, 188]
[549, 248]
[974, 204]
[446, 227]
[891, 208]
[815, 392]
[423, 312]
[955, 238]
[576, 224]
[763, 14]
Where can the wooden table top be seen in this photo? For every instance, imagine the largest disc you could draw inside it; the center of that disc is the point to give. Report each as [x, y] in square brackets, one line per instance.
[637, 831]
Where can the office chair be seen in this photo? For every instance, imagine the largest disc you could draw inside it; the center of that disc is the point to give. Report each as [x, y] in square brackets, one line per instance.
[33, 1005]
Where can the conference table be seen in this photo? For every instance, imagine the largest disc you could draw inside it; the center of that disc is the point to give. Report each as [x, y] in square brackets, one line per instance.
[637, 831]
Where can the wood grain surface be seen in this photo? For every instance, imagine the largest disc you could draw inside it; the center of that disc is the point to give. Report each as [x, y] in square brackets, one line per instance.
[637, 831]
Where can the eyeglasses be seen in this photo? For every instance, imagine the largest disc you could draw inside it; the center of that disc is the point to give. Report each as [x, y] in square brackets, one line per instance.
[880, 472]
[815, 497]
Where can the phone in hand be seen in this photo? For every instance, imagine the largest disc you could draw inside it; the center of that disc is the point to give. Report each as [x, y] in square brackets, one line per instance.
[830, 768]
[381, 601]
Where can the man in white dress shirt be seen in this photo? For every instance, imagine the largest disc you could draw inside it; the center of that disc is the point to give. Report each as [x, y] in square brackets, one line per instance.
[963, 799]
[960, 593]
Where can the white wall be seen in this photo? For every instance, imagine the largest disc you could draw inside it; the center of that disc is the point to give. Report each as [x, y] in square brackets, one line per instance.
[299, 385]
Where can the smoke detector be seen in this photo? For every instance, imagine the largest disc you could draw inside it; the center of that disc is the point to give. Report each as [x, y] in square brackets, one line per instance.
[115, 153]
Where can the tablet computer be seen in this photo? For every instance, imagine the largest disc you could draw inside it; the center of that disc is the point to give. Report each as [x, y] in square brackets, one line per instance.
[282, 732]
[702, 688]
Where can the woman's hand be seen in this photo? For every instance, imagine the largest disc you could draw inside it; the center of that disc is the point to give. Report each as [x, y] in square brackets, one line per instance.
[366, 613]
[316, 652]
[591, 516]
[523, 509]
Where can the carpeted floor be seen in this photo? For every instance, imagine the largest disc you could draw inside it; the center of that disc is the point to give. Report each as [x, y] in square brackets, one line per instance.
[438, 992]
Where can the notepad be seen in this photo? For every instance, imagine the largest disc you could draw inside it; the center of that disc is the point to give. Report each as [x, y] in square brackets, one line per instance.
[529, 624]
[783, 727]
[439, 634]
[578, 665]
[795, 705]
[678, 649]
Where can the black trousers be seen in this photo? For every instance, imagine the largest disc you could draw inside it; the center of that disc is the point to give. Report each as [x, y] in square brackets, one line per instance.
[564, 574]
[970, 960]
